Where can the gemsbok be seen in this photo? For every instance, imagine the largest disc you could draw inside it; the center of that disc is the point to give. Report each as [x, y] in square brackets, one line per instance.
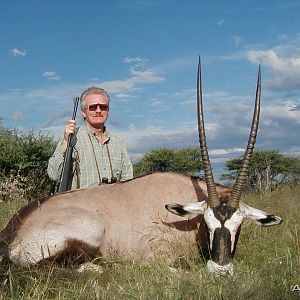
[131, 216]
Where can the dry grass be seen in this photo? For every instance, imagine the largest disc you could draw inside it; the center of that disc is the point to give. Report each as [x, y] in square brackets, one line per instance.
[267, 265]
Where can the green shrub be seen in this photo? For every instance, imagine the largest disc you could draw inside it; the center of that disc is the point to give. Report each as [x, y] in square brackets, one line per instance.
[23, 163]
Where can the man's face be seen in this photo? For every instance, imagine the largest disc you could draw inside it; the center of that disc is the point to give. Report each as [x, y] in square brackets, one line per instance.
[96, 110]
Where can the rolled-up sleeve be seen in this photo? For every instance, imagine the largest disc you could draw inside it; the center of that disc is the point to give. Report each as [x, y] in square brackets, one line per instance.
[55, 162]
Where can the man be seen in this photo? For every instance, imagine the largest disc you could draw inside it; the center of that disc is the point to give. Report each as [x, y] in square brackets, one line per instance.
[99, 156]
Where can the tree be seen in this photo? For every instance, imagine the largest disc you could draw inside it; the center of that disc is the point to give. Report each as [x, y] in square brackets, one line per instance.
[266, 169]
[187, 161]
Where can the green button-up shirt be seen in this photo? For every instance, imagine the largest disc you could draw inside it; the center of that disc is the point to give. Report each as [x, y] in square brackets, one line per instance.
[92, 159]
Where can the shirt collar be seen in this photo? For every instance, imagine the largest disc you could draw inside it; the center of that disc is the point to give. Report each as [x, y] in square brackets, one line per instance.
[92, 133]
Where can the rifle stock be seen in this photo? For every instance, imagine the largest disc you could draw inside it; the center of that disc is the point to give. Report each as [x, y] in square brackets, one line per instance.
[65, 182]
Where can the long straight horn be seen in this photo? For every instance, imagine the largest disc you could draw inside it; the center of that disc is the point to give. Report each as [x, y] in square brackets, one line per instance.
[213, 200]
[242, 177]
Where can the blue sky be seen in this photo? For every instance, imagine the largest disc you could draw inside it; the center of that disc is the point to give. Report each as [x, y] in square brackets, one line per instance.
[145, 54]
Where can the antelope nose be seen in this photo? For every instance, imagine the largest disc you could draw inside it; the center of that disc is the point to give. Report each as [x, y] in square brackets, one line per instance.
[219, 270]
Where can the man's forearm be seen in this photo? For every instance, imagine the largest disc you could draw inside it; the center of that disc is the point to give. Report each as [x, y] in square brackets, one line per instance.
[55, 162]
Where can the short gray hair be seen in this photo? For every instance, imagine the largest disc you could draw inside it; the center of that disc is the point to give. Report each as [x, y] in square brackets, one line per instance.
[92, 90]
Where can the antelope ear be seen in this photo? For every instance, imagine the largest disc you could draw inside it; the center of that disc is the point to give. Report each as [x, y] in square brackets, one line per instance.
[258, 216]
[187, 209]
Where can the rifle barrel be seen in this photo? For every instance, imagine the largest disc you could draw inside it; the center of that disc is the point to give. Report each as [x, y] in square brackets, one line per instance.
[66, 178]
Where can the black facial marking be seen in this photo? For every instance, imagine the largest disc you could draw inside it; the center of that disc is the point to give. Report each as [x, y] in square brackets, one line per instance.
[221, 246]
[176, 209]
[223, 212]
[267, 220]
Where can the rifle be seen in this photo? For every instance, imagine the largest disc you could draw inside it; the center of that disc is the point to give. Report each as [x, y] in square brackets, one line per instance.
[65, 182]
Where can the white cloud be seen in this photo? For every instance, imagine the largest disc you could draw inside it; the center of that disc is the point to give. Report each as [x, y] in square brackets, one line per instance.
[284, 69]
[130, 60]
[283, 37]
[94, 79]
[122, 95]
[17, 52]
[133, 83]
[139, 75]
[226, 151]
[237, 40]
[286, 111]
[268, 57]
[220, 23]
[141, 140]
[146, 76]
[51, 75]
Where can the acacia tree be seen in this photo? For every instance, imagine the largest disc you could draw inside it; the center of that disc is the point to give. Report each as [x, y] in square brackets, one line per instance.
[187, 161]
[266, 169]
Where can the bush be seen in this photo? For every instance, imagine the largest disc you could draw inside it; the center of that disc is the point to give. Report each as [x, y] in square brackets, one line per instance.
[23, 163]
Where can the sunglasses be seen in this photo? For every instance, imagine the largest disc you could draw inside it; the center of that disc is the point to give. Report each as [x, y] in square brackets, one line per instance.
[93, 107]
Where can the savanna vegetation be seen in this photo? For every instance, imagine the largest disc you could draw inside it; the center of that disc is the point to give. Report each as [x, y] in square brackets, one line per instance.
[267, 169]
[267, 261]
[187, 161]
[23, 164]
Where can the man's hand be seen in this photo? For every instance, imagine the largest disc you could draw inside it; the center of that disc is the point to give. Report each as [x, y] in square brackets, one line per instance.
[69, 129]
